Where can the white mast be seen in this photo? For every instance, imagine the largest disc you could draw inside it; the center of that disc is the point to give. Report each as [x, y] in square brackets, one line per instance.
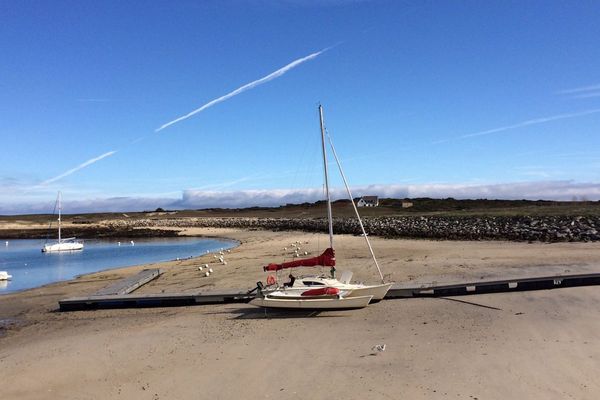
[59, 207]
[329, 216]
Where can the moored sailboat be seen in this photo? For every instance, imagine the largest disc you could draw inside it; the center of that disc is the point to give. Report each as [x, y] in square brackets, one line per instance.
[63, 244]
[282, 295]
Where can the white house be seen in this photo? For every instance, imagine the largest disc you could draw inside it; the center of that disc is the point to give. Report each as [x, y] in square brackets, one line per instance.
[368, 201]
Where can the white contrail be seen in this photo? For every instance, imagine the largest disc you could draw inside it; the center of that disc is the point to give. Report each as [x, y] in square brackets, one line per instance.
[80, 166]
[586, 95]
[580, 89]
[520, 125]
[247, 86]
[531, 122]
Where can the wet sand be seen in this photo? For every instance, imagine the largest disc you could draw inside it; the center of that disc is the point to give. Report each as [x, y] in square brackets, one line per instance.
[541, 344]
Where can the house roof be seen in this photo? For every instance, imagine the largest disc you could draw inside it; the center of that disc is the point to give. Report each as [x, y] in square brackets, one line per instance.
[369, 198]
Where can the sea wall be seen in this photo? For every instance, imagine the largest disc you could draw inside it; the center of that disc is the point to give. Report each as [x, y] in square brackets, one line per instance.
[545, 229]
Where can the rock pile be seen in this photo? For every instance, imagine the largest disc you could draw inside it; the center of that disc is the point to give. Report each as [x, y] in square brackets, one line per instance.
[545, 229]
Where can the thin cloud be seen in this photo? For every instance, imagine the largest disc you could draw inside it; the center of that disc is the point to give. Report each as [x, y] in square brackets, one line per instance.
[522, 125]
[247, 86]
[531, 122]
[581, 89]
[586, 95]
[79, 167]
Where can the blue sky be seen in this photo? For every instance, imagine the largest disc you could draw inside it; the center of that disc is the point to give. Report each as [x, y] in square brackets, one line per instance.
[455, 98]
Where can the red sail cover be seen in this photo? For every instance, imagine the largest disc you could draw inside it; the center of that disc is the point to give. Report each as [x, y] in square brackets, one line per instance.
[321, 291]
[327, 259]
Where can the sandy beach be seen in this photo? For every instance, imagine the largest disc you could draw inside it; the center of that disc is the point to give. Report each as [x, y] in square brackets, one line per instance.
[541, 344]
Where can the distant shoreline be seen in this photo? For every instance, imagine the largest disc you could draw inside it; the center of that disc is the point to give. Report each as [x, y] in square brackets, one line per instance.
[93, 232]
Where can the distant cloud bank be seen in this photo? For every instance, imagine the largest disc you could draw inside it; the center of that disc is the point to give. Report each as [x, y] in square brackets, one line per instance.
[196, 199]
[545, 190]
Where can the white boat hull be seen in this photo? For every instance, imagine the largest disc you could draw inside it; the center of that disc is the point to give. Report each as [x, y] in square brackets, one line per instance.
[378, 292]
[4, 276]
[326, 303]
[65, 246]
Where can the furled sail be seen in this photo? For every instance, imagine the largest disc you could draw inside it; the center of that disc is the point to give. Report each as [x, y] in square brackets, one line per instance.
[327, 259]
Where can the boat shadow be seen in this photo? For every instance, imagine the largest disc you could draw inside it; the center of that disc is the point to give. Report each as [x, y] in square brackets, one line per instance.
[262, 313]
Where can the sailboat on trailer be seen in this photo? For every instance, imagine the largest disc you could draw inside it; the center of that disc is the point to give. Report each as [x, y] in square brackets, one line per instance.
[63, 244]
[321, 292]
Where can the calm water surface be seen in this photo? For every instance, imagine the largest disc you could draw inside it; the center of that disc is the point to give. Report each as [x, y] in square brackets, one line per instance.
[30, 267]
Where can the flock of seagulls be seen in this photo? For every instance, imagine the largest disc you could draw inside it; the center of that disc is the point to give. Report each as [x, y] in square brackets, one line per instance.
[296, 249]
[206, 270]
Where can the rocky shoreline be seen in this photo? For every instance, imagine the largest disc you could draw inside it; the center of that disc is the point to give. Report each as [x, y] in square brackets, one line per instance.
[89, 232]
[514, 228]
[542, 229]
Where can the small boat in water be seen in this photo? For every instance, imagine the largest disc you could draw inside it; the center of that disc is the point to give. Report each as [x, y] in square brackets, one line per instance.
[67, 244]
[4, 276]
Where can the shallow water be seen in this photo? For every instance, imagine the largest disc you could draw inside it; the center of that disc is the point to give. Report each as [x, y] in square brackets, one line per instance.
[30, 267]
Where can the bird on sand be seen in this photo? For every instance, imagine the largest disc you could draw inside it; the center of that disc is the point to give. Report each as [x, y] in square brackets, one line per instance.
[379, 348]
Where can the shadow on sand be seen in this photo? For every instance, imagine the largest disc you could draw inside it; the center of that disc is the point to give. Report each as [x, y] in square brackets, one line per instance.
[262, 313]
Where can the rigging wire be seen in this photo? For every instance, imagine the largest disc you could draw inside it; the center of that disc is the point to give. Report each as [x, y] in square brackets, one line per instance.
[354, 205]
[50, 224]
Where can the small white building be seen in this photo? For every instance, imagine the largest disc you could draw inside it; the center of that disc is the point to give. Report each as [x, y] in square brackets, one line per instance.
[368, 201]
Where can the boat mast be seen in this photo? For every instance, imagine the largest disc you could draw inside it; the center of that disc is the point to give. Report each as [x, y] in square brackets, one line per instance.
[59, 207]
[329, 216]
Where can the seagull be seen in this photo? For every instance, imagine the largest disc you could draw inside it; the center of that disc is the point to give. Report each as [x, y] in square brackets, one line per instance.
[200, 268]
[379, 347]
